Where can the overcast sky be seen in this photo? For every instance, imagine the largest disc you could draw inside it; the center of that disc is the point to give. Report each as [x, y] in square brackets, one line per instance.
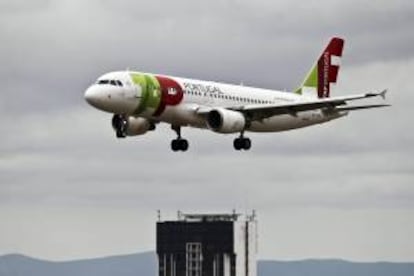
[69, 189]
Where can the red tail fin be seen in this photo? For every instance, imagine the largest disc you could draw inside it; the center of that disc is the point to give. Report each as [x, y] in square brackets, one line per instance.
[328, 66]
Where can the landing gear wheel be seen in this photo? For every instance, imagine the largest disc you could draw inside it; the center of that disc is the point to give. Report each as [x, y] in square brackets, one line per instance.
[120, 134]
[120, 125]
[183, 144]
[179, 145]
[175, 145]
[237, 143]
[242, 143]
[247, 144]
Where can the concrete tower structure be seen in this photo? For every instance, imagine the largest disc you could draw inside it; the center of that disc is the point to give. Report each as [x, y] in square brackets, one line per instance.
[207, 245]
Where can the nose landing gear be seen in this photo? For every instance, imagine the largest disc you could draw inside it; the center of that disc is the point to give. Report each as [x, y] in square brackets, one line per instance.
[179, 144]
[120, 124]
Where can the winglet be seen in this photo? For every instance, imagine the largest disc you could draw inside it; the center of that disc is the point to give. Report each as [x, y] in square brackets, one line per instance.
[383, 93]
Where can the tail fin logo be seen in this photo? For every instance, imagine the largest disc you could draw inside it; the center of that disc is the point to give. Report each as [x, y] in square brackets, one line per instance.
[324, 72]
[328, 66]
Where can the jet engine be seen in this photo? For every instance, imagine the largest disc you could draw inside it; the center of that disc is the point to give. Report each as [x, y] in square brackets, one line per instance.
[130, 126]
[226, 121]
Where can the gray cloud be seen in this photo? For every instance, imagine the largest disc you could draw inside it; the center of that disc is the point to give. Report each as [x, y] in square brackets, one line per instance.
[257, 43]
[57, 152]
[8, 7]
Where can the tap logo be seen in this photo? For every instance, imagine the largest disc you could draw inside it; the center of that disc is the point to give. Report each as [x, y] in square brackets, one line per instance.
[172, 91]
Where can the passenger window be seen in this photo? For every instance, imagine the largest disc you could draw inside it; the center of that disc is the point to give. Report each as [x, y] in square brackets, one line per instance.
[113, 82]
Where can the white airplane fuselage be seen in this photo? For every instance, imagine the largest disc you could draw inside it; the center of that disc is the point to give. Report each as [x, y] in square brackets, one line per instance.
[139, 101]
[199, 95]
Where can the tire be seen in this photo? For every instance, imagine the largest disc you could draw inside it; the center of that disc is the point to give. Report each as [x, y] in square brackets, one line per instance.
[183, 145]
[247, 144]
[120, 134]
[237, 144]
[175, 145]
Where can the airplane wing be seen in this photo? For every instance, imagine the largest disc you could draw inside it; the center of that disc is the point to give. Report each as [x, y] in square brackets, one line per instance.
[352, 108]
[261, 111]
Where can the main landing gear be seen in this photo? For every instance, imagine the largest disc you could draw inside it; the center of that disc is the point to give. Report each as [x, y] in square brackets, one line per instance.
[242, 143]
[178, 144]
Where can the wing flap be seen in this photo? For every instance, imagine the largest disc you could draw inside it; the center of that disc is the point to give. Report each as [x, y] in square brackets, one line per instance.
[352, 108]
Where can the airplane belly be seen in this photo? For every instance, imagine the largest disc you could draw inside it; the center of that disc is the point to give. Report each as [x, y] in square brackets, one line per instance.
[182, 115]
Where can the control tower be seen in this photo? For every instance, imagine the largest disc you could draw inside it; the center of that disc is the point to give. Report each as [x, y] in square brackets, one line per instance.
[207, 245]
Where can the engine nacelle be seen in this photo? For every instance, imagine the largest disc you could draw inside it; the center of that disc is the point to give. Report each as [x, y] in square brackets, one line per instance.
[226, 121]
[131, 126]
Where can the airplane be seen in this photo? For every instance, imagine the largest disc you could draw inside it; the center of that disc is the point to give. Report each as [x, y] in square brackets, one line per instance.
[139, 101]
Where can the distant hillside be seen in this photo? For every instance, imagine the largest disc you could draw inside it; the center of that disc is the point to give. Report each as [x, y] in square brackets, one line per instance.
[145, 264]
[333, 267]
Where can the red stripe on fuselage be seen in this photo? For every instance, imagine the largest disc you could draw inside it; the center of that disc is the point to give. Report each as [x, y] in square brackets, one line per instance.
[171, 93]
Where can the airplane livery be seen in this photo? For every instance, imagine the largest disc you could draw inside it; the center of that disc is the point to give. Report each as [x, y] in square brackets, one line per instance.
[140, 101]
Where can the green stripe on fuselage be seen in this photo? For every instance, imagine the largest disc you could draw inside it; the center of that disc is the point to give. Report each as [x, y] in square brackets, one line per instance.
[150, 92]
[154, 91]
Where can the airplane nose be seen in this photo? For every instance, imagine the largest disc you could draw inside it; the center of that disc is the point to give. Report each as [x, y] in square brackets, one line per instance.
[92, 96]
[110, 99]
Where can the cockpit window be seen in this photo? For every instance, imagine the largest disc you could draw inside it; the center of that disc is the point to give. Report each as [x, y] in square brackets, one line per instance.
[111, 82]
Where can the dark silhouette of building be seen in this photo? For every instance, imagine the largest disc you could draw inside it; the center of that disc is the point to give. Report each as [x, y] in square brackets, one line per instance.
[207, 245]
